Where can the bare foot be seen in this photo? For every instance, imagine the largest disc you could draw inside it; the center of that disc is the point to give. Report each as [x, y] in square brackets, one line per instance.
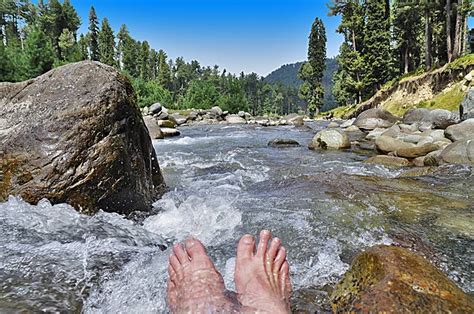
[194, 285]
[262, 278]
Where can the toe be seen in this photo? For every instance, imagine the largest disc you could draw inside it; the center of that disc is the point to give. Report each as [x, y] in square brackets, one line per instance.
[285, 282]
[246, 247]
[176, 267]
[280, 258]
[265, 236]
[195, 249]
[180, 253]
[273, 250]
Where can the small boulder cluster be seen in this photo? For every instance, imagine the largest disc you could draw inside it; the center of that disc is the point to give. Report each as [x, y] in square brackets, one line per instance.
[162, 123]
[421, 138]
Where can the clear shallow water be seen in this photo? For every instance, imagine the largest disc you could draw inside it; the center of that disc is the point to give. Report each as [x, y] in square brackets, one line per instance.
[224, 181]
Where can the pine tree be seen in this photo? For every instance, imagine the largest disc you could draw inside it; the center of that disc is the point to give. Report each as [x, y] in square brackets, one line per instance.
[144, 61]
[377, 49]
[106, 42]
[39, 53]
[313, 90]
[68, 47]
[164, 72]
[93, 35]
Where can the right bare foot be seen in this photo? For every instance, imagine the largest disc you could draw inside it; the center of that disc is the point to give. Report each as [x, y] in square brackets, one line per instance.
[262, 278]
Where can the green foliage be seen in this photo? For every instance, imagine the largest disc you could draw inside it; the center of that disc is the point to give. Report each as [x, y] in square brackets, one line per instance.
[462, 63]
[106, 44]
[38, 56]
[150, 92]
[200, 95]
[164, 71]
[93, 35]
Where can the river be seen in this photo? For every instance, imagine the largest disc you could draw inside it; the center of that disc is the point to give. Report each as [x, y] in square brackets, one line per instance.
[224, 181]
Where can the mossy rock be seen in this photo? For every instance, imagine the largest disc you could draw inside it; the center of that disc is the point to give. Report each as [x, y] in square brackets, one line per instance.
[389, 279]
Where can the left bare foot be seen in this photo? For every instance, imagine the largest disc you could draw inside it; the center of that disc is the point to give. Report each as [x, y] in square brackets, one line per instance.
[194, 284]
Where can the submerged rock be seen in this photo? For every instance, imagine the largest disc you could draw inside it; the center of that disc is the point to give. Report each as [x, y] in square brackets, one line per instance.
[389, 161]
[75, 135]
[330, 138]
[389, 279]
[283, 142]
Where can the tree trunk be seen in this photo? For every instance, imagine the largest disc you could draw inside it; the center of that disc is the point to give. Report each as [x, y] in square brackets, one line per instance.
[427, 39]
[465, 38]
[449, 42]
[406, 61]
[458, 32]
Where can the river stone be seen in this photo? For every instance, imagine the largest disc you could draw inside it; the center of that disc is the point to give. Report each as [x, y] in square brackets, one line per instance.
[163, 115]
[459, 152]
[177, 119]
[389, 161]
[167, 123]
[416, 115]
[330, 138]
[235, 119]
[416, 151]
[169, 132]
[153, 127]
[352, 128]
[348, 123]
[433, 158]
[294, 119]
[393, 131]
[155, 108]
[192, 115]
[460, 131]
[75, 135]
[283, 142]
[215, 112]
[441, 118]
[333, 125]
[388, 144]
[372, 135]
[375, 118]
[390, 279]
[466, 109]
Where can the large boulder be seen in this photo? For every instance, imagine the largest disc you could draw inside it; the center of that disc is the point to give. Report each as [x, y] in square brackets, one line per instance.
[177, 118]
[460, 131]
[441, 119]
[76, 135]
[459, 152]
[153, 127]
[155, 108]
[375, 118]
[387, 144]
[466, 109]
[389, 279]
[416, 115]
[330, 138]
[416, 151]
[215, 112]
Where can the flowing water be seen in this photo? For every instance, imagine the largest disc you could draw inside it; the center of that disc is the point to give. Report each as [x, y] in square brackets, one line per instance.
[224, 181]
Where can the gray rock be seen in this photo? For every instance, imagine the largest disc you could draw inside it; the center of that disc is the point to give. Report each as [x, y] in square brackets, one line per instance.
[153, 127]
[283, 142]
[294, 119]
[459, 152]
[466, 109]
[333, 125]
[155, 108]
[389, 144]
[215, 112]
[375, 118]
[372, 135]
[393, 131]
[163, 115]
[460, 131]
[441, 119]
[170, 132]
[416, 151]
[412, 138]
[409, 128]
[416, 115]
[177, 119]
[348, 123]
[193, 115]
[166, 123]
[241, 114]
[352, 128]
[433, 158]
[75, 135]
[330, 138]
[235, 119]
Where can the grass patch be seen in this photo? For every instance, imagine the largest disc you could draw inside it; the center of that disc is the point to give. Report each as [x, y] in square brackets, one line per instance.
[339, 112]
[462, 63]
[449, 100]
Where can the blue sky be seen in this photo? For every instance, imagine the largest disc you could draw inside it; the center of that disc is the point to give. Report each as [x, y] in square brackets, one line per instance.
[238, 35]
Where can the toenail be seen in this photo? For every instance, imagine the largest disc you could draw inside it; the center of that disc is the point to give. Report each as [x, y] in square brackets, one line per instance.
[265, 232]
[276, 240]
[248, 239]
[190, 243]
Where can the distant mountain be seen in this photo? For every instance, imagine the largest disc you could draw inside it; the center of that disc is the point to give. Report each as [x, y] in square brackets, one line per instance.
[287, 75]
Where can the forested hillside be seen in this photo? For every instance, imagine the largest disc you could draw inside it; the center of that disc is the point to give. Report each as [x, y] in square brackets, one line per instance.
[34, 38]
[288, 75]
